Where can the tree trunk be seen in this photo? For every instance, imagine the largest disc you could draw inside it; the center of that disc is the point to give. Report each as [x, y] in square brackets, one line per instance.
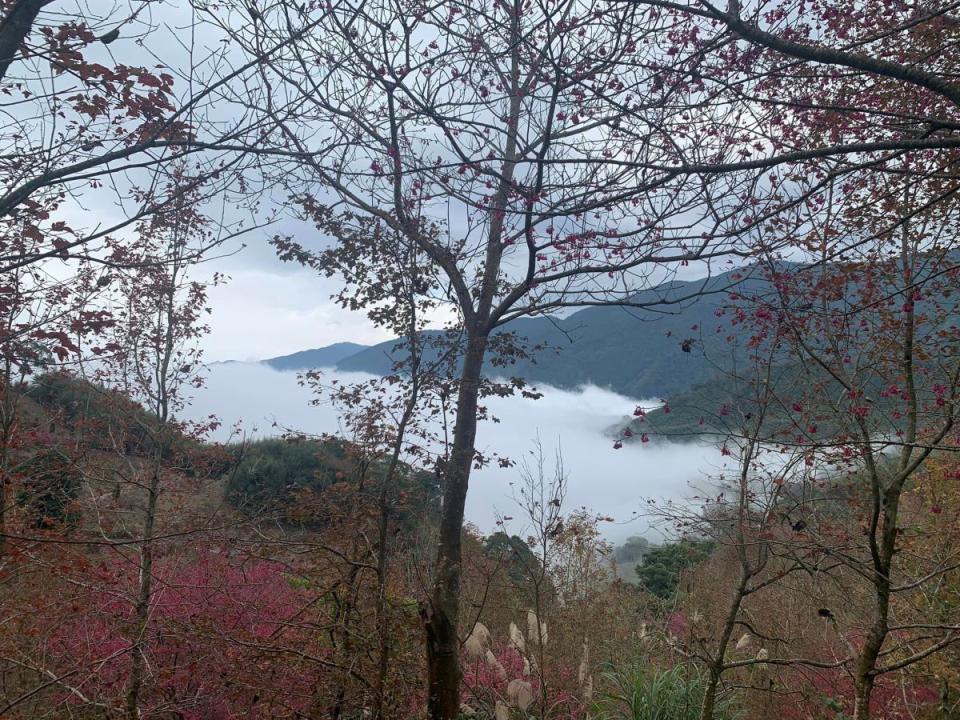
[8, 419]
[864, 689]
[886, 500]
[144, 593]
[4, 506]
[864, 673]
[709, 706]
[3, 511]
[383, 629]
[717, 666]
[14, 29]
[441, 616]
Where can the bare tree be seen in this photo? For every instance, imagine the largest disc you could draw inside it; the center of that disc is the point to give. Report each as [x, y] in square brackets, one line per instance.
[157, 324]
[487, 137]
[97, 107]
[820, 96]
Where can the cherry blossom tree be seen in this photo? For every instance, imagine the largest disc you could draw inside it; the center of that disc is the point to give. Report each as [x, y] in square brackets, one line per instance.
[872, 341]
[511, 145]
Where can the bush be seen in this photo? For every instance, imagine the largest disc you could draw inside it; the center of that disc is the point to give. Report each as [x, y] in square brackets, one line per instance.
[50, 483]
[284, 474]
[270, 468]
[659, 573]
[104, 417]
[514, 553]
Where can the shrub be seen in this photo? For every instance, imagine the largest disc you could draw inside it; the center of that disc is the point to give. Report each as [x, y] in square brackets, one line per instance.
[272, 469]
[102, 416]
[50, 483]
[287, 475]
[659, 573]
[216, 641]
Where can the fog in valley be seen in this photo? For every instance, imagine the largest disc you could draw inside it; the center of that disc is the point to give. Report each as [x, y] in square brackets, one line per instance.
[611, 482]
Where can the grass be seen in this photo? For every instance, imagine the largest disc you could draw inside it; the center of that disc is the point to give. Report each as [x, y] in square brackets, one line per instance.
[638, 692]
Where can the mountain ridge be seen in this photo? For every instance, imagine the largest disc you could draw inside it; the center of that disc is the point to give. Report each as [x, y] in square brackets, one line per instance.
[636, 352]
[326, 356]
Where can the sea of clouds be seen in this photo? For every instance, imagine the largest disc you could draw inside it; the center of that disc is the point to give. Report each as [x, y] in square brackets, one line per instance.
[618, 483]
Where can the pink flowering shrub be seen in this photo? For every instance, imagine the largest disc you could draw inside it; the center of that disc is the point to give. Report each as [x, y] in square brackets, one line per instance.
[222, 641]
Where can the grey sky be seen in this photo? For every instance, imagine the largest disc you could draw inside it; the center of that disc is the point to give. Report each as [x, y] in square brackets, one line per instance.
[267, 308]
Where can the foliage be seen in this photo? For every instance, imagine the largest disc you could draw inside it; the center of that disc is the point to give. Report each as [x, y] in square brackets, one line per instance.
[270, 469]
[103, 416]
[514, 553]
[628, 555]
[646, 692]
[632, 550]
[283, 475]
[206, 624]
[49, 484]
[491, 676]
[826, 694]
[659, 573]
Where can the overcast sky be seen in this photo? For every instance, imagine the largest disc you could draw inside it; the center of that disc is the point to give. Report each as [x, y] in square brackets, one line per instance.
[268, 308]
[265, 311]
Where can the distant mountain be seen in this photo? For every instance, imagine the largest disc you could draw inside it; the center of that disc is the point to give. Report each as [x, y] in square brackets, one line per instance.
[642, 353]
[324, 357]
[681, 347]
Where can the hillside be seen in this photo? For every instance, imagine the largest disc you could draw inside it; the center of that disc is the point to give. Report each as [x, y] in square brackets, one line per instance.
[634, 351]
[680, 347]
[318, 357]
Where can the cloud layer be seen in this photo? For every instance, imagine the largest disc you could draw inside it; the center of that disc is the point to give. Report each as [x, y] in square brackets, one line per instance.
[610, 482]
